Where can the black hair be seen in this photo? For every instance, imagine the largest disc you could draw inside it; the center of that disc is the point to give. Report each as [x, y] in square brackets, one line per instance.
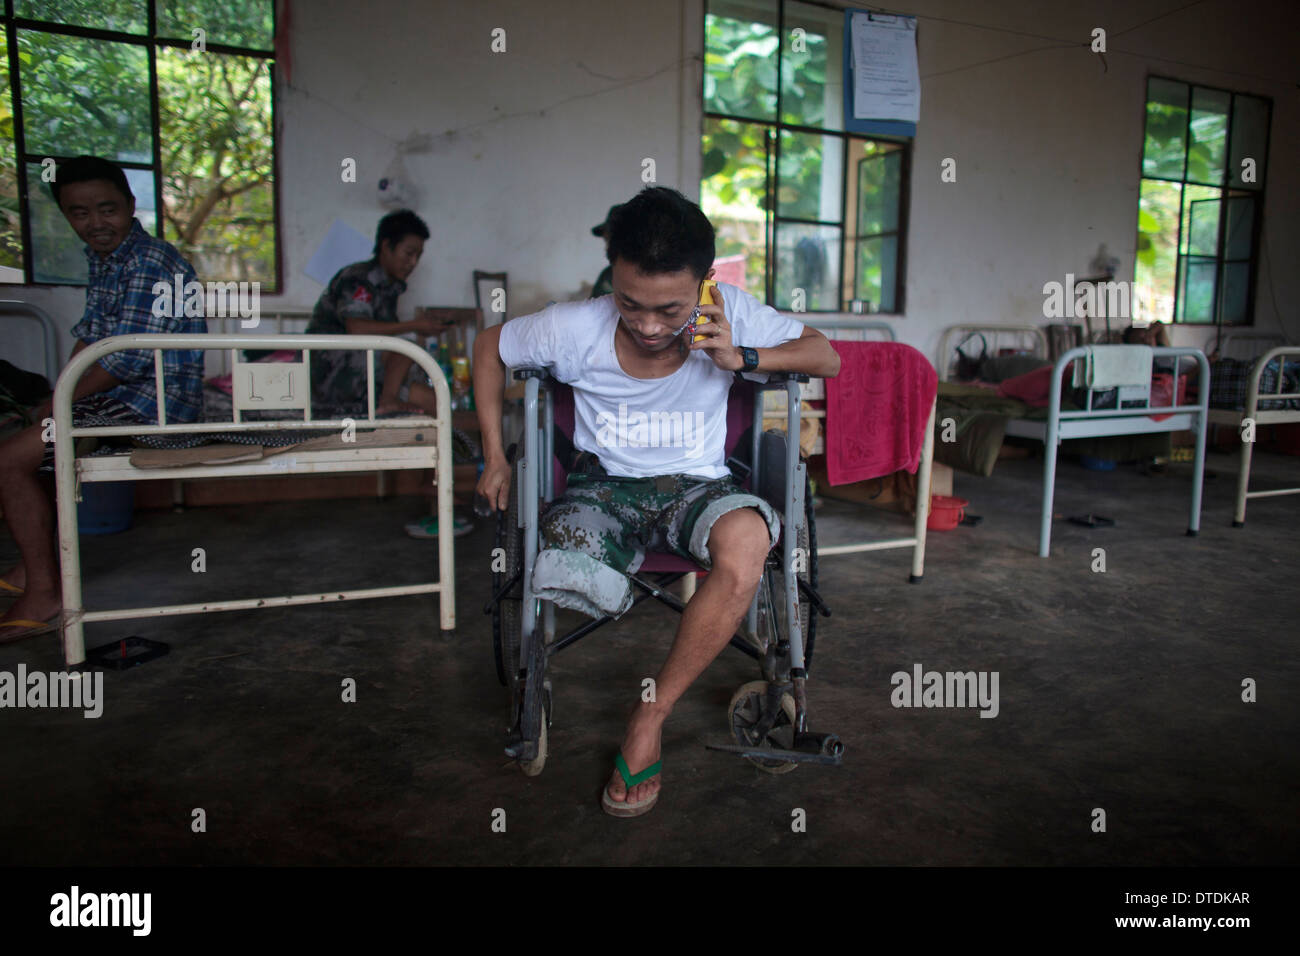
[1134, 335]
[660, 230]
[396, 226]
[84, 169]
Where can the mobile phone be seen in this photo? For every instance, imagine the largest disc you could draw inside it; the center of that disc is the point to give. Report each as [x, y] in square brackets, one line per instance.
[706, 298]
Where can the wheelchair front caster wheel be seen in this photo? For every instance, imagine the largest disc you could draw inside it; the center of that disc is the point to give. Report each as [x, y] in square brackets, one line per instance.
[744, 715]
[532, 768]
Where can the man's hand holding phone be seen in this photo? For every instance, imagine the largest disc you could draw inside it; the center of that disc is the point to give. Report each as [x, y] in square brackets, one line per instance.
[711, 332]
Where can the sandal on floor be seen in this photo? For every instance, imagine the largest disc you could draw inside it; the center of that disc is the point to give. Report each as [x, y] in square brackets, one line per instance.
[25, 629]
[428, 527]
[628, 808]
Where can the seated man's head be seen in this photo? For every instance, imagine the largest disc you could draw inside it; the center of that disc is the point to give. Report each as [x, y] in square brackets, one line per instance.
[660, 248]
[1153, 334]
[399, 242]
[96, 200]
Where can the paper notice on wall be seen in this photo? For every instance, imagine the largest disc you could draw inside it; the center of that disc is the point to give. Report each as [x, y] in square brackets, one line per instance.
[886, 80]
[341, 247]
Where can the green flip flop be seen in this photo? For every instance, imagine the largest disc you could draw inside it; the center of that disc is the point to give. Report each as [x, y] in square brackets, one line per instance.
[629, 808]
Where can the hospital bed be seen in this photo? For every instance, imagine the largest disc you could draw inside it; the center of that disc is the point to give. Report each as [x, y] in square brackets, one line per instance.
[1060, 423]
[863, 330]
[1272, 406]
[364, 444]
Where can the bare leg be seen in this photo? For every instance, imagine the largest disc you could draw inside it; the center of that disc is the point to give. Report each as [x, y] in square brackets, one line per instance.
[396, 368]
[738, 543]
[424, 398]
[17, 576]
[30, 515]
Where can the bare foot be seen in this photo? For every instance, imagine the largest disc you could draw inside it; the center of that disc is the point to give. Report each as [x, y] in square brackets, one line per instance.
[34, 606]
[641, 746]
[15, 576]
[392, 406]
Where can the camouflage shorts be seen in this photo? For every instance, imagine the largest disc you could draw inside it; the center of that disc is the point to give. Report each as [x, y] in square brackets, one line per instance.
[338, 379]
[601, 528]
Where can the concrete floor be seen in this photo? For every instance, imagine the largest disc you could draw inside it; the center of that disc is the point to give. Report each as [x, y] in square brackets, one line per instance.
[1119, 690]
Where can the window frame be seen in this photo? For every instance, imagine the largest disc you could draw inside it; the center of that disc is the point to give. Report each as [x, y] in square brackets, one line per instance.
[773, 130]
[151, 42]
[900, 233]
[1226, 192]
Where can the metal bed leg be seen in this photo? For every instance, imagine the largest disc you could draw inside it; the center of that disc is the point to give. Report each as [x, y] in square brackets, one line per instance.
[74, 638]
[923, 496]
[1243, 481]
[446, 530]
[1049, 485]
[1198, 464]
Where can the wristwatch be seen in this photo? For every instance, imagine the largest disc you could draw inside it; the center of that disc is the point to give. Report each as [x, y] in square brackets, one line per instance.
[750, 358]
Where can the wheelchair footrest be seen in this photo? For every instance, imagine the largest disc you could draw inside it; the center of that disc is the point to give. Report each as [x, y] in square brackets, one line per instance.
[519, 749]
[824, 749]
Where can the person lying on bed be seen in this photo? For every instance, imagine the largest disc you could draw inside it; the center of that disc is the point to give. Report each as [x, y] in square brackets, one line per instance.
[125, 262]
[361, 299]
[1157, 335]
[629, 359]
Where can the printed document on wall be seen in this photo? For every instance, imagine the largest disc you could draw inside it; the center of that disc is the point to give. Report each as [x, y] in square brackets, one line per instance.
[886, 81]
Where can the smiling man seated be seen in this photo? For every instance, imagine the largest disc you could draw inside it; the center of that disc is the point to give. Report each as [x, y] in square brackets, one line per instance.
[630, 364]
[125, 264]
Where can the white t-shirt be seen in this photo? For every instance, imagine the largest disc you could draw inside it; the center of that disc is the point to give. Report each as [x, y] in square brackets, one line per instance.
[641, 427]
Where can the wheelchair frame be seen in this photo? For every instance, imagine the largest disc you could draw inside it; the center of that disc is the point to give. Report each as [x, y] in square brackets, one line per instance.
[784, 656]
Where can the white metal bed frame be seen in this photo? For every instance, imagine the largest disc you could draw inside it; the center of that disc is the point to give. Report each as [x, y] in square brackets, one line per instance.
[283, 386]
[1094, 423]
[916, 541]
[1016, 334]
[50, 335]
[233, 325]
[1234, 418]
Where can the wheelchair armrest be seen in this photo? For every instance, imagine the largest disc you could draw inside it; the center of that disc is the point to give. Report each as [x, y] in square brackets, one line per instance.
[775, 380]
[531, 371]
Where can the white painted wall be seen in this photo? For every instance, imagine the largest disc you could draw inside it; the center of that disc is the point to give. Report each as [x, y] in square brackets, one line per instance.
[527, 149]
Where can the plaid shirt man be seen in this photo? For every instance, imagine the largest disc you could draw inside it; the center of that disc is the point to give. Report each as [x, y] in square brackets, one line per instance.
[120, 301]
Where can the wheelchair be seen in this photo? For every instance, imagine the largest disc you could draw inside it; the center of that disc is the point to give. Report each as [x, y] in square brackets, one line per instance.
[766, 718]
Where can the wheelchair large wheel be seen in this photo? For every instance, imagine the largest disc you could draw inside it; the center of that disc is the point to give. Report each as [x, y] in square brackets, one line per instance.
[508, 636]
[743, 716]
[507, 617]
[773, 627]
[532, 768]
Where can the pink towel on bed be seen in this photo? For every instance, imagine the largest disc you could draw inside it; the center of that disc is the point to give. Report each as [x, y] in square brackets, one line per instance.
[1034, 388]
[876, 410]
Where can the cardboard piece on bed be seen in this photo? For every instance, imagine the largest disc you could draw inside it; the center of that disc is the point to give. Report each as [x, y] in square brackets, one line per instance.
[228, 453]
[216, 454]
[377, 438]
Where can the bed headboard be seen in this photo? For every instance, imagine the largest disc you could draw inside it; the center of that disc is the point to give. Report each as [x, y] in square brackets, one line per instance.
[1029, 339]
[836, 328]
[49, 334]
[271, 322]
[1245, 344]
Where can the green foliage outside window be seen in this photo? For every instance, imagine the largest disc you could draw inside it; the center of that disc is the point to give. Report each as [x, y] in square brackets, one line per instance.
[215, 129]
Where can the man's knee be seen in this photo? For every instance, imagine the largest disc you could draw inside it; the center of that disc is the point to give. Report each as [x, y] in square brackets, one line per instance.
[22, 453]
[738, 544]
[571, 526]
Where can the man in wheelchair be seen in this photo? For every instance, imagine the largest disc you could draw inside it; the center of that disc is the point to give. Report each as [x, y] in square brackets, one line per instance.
[650, 366]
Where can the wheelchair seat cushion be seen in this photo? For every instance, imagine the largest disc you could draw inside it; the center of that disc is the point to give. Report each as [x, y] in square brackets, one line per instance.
[601, 529]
